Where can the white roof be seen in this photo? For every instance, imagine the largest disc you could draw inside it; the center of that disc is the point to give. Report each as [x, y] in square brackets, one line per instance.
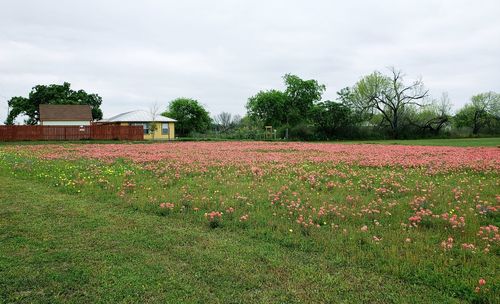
[137, 116]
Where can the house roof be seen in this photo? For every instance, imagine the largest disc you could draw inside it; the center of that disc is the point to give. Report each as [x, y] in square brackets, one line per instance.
[65, 112]
[137, 116]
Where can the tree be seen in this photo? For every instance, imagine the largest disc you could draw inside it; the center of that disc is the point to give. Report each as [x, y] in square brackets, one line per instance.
[154, 111]
[347, 98]
[484, 109]
[288, 108]
[190, 116]
[388, 95]
[51, 94]
[237, 120]
[433, 117]
[301, 97]
[223, 121]
[268, 107]
[330, 118]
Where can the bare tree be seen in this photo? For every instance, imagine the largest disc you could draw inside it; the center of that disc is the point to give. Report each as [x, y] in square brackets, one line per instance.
[236, 120]
[154, 112]
[444, 105]
[223, 121]
[432, 117]
[389, 96]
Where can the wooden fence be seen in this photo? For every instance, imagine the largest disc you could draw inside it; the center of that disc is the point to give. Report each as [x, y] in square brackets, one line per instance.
[18, 133]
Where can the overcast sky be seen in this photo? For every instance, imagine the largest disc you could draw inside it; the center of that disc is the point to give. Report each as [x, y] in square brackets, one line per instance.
[133, 53]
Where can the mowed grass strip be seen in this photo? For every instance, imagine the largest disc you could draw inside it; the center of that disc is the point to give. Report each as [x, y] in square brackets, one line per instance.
[60, 248]
[452, 142]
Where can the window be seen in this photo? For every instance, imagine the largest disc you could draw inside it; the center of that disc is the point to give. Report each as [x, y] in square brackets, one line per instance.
[145, 126]
[164, 128]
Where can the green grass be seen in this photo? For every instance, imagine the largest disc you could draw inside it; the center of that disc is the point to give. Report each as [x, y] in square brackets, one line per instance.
[455, 142]
[66, 248]
[91, 231]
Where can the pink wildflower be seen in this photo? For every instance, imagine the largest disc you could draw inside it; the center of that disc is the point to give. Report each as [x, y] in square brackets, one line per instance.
[168, 206]
[447, 244]
[213, 216]
[466, 246]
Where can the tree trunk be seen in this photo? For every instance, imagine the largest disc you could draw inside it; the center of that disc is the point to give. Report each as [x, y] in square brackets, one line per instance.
[395, 125]
[475, 128]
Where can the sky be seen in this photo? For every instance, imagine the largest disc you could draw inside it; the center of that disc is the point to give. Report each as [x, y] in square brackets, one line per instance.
[136, 53]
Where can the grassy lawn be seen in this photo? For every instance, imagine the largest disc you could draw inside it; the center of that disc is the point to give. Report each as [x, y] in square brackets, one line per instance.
[455, 142]
[65, 248]
[85, 223]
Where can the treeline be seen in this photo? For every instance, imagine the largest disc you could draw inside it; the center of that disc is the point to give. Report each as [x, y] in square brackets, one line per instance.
[377, 106]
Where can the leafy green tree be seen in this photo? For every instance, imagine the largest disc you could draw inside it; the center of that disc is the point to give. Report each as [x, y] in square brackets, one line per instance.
[51, 94]
[268, 107]
[483, 110]
[389, 96]
[190, 116]
[288, 108]
[331, 118]
[347, 98]
[301, 97]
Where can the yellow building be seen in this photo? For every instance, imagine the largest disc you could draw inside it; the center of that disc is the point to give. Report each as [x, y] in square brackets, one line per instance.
[157, 128]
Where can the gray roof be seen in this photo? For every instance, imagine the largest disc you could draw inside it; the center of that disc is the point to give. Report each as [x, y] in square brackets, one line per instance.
[137, 116]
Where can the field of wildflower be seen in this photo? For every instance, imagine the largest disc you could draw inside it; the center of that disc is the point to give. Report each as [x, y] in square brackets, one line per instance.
[240, 222]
